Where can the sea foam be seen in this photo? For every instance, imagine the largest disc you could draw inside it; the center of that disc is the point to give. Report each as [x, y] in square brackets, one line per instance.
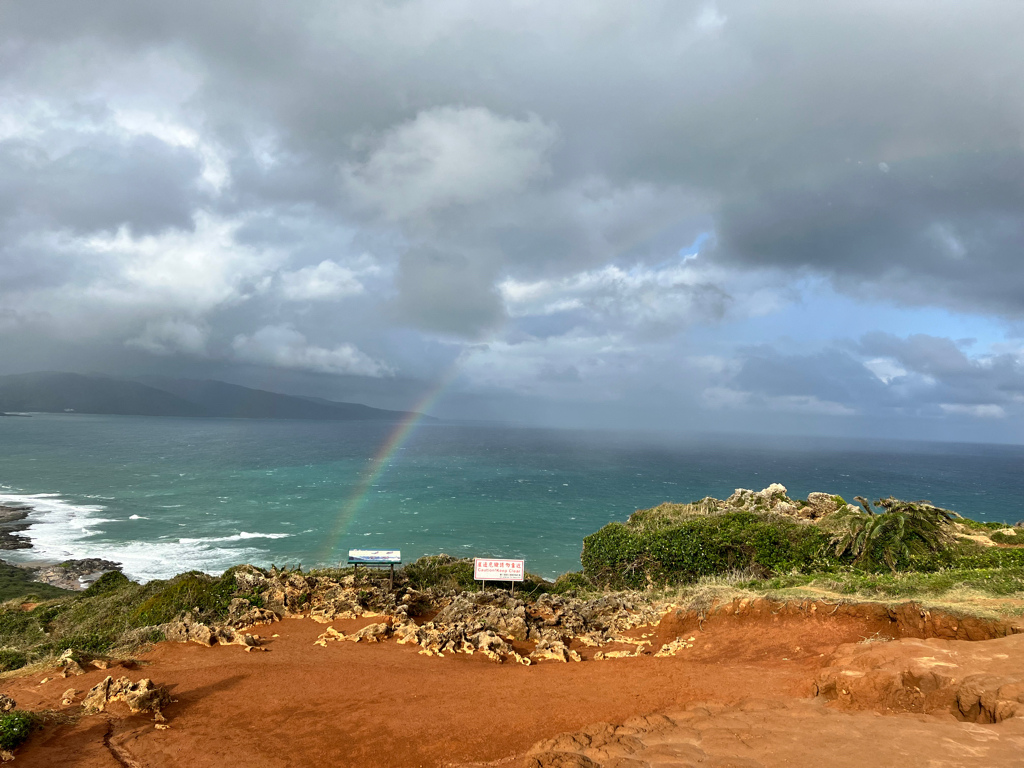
[63, 530]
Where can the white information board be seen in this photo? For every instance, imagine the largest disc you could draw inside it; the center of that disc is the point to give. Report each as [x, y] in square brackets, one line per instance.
[492, 569]
[374, 556]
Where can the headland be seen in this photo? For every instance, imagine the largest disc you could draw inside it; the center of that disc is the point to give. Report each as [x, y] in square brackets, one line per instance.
[757, 630]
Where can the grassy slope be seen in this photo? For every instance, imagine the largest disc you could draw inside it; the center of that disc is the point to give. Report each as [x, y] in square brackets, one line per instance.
[17, 582]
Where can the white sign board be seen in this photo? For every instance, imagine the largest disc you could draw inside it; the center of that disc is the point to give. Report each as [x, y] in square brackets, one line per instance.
[489, 569]
[374, 556]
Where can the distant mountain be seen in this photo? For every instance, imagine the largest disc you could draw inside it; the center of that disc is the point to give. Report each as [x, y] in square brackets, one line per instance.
[58, 392]
[50, 392]
[231, 400]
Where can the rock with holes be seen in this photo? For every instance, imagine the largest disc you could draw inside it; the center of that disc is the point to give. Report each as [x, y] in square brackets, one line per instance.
[7, 703]
[556, 650]
[143, 696]
[71, 662]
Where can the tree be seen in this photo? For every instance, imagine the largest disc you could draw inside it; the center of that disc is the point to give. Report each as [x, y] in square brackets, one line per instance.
[890, 536]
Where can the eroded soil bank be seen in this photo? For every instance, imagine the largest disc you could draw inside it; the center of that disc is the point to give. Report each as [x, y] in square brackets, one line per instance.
[752, 687]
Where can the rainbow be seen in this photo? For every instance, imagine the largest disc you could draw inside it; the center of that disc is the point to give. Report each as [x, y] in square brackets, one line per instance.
[382, 459]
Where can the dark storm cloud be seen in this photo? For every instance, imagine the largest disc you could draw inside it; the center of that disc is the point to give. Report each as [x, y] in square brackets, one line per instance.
[351, 172]
[141, 183]
[918, 374]
[942, 231]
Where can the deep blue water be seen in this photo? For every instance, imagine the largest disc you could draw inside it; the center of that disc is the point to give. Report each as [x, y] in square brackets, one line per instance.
[164, 495]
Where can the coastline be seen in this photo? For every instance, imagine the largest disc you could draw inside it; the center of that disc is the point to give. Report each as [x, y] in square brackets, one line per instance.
[13, 520]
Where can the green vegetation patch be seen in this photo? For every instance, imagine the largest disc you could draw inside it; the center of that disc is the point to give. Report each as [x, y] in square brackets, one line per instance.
[15, 727]
[113, 614]
[1016, 536]
[623, 556]
[17, 583]
[993, 582]
[12, 659]
[206, 595]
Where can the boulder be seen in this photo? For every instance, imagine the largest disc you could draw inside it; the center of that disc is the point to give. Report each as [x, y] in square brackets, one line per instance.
[143, 696]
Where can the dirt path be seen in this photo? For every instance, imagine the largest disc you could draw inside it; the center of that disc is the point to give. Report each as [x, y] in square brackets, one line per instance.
[353, 704]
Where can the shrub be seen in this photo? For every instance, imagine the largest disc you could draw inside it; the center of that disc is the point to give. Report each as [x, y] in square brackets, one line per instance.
[1007, 538]
[12, 659]
[440, 571]
[15, 727]
[193, 590]
[892, 537]
[619, 556]
[574, 581]
[107, 583]
[90, 642]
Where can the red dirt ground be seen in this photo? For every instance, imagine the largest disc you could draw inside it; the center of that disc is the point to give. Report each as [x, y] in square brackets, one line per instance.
[353, 704]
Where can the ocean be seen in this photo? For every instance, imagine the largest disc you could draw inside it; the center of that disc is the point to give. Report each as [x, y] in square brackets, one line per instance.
[166, 495]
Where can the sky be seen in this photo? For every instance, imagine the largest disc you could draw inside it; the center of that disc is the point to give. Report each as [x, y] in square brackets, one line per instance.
[795, 216]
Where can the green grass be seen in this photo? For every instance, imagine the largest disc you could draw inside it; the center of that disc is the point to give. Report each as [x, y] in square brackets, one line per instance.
[17, 583]
[113, 615]
[990, 582]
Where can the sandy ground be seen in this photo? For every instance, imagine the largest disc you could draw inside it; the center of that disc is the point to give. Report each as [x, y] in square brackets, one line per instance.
[353, 704]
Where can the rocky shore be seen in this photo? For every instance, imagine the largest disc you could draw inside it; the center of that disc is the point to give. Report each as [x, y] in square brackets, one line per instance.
[12, 522]
[73, 574]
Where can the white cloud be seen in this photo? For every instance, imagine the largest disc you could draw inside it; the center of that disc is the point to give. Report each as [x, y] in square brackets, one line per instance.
[284, 347]
[326, 280]
[710, 19]
[666, 295]
[184, 274]
[989, 411]
[450, 156]
[885, 369]
[578, 366]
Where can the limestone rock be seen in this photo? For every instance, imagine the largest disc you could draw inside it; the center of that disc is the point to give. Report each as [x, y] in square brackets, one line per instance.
[554, 651]
[143, 696]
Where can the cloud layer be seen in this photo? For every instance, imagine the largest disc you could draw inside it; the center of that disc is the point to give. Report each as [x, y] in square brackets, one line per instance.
[591, 202]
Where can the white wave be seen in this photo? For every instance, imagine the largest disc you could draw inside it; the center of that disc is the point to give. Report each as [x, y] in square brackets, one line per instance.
[63, 530]
[137, 517]
[237, 537]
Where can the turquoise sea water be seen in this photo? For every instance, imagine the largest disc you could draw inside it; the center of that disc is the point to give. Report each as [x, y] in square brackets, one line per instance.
[164, 495]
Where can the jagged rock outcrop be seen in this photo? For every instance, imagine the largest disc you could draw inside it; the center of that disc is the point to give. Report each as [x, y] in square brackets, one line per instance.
[188, 630]
[242, 614]
[143, 696]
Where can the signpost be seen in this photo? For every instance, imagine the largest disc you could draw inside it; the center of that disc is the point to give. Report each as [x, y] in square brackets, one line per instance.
[492, 569]
[375, 558]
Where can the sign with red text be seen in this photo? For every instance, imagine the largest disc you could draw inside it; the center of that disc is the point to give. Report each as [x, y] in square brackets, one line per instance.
[492, 569]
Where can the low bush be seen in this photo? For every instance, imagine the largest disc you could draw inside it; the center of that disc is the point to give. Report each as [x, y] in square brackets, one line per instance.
[1015, 537]
[107, 583]
[12, 659]
[573, 581]
[15, 727]
[209, 596]
[440, 571]
[619, 556]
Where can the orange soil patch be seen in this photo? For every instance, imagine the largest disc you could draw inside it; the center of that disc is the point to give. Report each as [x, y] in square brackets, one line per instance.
[353, 704]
